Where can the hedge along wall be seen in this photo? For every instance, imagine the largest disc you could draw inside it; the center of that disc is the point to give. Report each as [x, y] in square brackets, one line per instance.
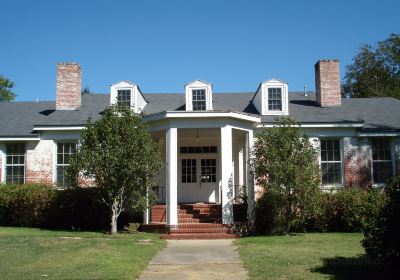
[39, 205]
[349, 210]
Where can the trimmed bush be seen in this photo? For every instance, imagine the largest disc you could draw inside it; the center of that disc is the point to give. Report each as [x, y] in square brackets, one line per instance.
[36, 205]
[269, 214]
[381, 235]
[78, 209]
[25, 205]
[350, 210]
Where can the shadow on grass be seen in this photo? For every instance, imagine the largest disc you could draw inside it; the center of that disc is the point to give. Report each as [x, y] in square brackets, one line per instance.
[360, 267]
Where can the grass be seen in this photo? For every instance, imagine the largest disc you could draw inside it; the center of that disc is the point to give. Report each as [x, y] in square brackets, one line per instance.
[307, 256]
[27, 253]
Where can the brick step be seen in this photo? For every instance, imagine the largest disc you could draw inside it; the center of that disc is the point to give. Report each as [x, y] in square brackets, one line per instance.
[180, 236]
[195, 207]
[201, 230]
[200, 211]
[200, 225]
[196, 215]
[196, 220]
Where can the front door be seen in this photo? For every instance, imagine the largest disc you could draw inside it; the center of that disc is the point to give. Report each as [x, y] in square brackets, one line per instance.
[198, 179]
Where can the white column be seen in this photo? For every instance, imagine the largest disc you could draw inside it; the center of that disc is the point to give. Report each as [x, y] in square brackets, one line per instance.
[249, 176]
[226, 175]
[172, 183]
[146, 212]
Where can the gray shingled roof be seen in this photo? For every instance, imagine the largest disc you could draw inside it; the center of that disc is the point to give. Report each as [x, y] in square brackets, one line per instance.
[382, 114]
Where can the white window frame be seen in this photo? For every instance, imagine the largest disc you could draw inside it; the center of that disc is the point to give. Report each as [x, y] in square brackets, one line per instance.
[7, 165]
[138, 102]
[274, 83]
[130, 97]
[56, 164]
[268, 99]
[392, 155]
[205, 99]
[198, 85]
[341, 145]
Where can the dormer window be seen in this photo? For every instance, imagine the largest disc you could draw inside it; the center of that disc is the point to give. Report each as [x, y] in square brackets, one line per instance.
[124, 97]
[198, 96]
[272, 98]
[129, 94]
[199, 99]
[275, 99]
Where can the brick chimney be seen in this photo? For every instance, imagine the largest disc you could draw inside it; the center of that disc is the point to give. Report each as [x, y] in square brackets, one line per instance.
[69, 85]
[327, 83]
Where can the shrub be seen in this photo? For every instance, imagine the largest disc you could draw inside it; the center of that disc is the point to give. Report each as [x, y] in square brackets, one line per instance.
[381, 235]
[350, 210]
[269, 213]
[78, 209]
[25, 205]
[37, 205]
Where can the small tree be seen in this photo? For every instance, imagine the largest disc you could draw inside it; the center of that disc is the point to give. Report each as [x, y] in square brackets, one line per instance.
[118, 157]
[6, 95]
[285, 164]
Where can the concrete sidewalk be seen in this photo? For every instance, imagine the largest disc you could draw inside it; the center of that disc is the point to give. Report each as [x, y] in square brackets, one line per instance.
[196, 259]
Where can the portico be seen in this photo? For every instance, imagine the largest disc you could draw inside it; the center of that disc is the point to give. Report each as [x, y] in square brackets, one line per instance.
[206, 161]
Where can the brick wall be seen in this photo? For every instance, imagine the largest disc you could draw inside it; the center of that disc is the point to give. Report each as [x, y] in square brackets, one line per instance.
[357, 162]
[69, 86]
[39, 162]
[327, 83]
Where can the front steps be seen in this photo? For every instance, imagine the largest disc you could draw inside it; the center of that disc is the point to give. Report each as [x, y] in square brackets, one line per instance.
[195, 221]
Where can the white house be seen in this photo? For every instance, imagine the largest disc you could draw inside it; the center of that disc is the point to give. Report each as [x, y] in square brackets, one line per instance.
[206, 138]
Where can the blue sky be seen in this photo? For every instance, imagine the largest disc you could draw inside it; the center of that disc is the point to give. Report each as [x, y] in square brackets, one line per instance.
[161, 45]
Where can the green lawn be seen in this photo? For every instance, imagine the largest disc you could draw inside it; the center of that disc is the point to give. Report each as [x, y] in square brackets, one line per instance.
[27, 253]
[307, 256]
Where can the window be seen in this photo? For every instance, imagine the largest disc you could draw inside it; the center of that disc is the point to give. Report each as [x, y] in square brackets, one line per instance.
[331, 162]
[189, 171]
[382, 166]
[124, 97]
[208, 170]
[64, 152]
[275, 99]
[15, 163]
[199, 99]
[199, 150]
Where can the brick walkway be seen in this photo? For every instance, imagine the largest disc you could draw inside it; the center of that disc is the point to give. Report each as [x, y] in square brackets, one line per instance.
[196, 259]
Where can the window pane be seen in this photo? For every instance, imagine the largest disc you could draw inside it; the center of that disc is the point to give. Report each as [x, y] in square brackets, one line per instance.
[199, 100]
[331, 162]
[188, 171]
[64, 152]
[124, 97]
[208, 170]
[274, 99]
[15, 163]
[382, 171]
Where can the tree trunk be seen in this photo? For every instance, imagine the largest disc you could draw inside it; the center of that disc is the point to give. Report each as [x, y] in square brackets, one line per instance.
[287, 226]
[288, 219]
[114, 218]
